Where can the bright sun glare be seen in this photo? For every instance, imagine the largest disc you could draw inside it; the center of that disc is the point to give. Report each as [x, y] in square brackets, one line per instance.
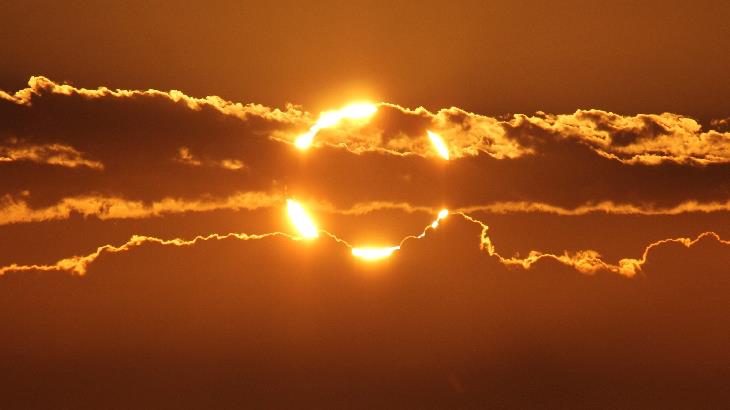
[330, 119]
[439, 144]
[374, 253]
[301, 220]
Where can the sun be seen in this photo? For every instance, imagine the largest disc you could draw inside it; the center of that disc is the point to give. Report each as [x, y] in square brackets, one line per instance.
[299, 217]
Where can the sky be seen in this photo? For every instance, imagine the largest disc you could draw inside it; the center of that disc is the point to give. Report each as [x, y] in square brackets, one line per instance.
[186, 193]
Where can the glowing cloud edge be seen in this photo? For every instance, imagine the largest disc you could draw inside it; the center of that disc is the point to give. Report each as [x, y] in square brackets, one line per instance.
[374, 253]
[328, 119]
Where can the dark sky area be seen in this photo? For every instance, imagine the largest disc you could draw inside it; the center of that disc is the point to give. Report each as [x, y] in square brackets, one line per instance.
[484, 56]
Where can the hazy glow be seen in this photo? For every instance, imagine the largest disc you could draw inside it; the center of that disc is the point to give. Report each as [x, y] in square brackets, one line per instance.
[301, 220]
[374, 253]
[439, 144]
[442, 214]
[331, 118]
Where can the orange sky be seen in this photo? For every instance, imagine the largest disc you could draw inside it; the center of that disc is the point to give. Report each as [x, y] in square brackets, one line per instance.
[147, 258]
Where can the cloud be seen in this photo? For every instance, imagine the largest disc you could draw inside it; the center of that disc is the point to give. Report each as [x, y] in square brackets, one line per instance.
[721, 124]
[644, 138]
[155, 145]
[51, 154]
[607, 207]
[161, 153]
[584, 261]
[187, 158]
[39, 86]
[649, 139]
[17, 210]
[79, 264]
[639, 139]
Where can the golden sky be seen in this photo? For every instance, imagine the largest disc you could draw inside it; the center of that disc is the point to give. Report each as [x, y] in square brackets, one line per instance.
[381, 204]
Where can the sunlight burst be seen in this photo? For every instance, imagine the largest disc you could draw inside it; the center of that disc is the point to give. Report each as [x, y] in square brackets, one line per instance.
[330, 119]
[301, 220]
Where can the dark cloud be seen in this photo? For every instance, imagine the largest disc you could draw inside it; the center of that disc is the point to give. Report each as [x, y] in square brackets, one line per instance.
[155, 145]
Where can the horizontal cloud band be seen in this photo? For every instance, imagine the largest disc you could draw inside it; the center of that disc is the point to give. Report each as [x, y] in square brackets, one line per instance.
[643, 138]
[586, 261]
[16, 209]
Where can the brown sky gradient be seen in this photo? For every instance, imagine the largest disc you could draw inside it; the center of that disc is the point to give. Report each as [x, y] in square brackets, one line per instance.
[584, 262]
[486, 57]
[440, 325]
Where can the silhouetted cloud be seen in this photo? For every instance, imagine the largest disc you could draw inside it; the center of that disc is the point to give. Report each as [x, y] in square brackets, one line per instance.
[643, 138]
[155, 145]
